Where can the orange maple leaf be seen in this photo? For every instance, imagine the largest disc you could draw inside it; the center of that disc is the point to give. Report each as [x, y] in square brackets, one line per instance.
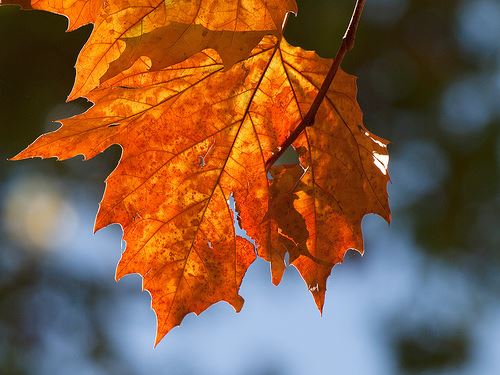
[342, 176]
[199, 118]
[196, 132]
[126, 30]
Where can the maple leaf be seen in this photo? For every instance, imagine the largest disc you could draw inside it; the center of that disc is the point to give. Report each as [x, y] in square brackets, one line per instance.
[197, 128]
[345, 178]
[342, 177]
[197, 132]
[167, 32]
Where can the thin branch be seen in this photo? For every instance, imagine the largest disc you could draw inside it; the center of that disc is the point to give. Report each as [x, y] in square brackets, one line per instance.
[309, 119]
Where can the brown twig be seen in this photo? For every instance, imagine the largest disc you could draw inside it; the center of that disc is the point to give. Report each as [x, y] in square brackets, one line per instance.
[309, 119]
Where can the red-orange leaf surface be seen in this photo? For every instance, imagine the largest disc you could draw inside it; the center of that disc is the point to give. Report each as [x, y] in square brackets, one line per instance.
[199, 95]
[343, 176]
[195, 133]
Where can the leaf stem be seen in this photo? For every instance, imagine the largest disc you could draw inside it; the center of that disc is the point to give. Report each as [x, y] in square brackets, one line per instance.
[309, 119]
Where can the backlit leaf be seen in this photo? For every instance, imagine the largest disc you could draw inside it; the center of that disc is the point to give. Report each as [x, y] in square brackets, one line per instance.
[195, 133]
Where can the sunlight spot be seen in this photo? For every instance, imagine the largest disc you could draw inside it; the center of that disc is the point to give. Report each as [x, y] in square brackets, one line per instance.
[38, 215]
[381, 161]
[378, 142]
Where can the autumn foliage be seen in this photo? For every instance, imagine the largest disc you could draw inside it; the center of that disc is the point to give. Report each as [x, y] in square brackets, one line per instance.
[200, 94]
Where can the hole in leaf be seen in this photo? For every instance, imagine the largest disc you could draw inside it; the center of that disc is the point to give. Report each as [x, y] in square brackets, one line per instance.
[314, 288]
[290, 156]
[240, 232]
[287, 259]
[201, 161]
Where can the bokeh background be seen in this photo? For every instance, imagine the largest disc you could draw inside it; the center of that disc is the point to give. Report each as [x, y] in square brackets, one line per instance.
[425, 299]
